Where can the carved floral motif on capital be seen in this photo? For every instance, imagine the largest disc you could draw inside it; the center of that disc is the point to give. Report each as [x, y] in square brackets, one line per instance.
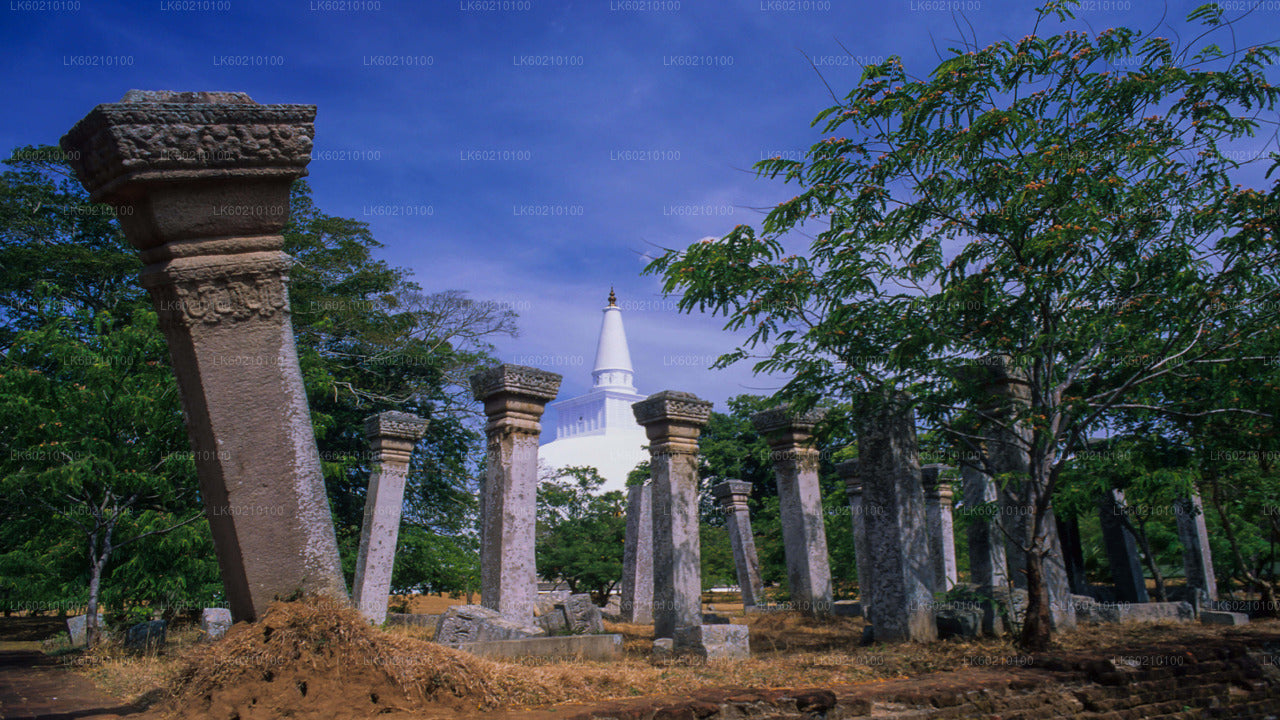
[154, 132]
[396, 425]
[516, 379]
[783, 418]
[672, 406]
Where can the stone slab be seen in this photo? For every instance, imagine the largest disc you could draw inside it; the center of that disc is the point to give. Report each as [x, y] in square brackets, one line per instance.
[146, 635]
[215, 622]
[1218, 617]
[1096, 612]
[714, 642]
[413, 619]
[847, 608]
[583, 615]
[580, 647]
[475, 623]
[76, 627]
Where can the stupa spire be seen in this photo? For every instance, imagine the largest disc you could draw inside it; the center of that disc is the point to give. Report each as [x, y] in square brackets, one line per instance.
[613, 357]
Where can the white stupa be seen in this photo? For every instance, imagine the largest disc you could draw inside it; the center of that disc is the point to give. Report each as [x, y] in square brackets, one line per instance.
[597, 429]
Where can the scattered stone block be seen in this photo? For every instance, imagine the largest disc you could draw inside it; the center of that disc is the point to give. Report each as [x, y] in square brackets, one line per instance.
[663, 648]
[710, 618]
[475, 623]
[554, 622]
[413, 619]
[847, 608]
[582, 615]
[1096, 612]
[215, 622]
[576, 647]
[77, 627]
[146, 635]
[714, 642]
[1219, 617]
[956, 621]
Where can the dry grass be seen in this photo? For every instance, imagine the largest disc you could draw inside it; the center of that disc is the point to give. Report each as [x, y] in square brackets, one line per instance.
[335, 659]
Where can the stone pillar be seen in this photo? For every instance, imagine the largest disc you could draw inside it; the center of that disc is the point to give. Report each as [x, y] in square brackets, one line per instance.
[200, 182]
[898, 539]
[1122, 550]
[1197, 559]
[637, 557]
[804, 530]
[732, 495]
[673, 421]
[1008, 454]
[848, 471]
[392, 436]
[1073, 555]
[987, 565]
[942, 537]
[514, 398]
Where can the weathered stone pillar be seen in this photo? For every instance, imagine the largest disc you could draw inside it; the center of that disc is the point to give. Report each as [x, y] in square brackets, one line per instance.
[1073, 554]
[1197, 558]
[1122, 550]
[987, 565]
[898, 539]
[392, 436]
[1009, 455]
[673, 421]
[637, 557]
[804, 531]
[942, 538]
[848, 471]
[200, 183]
[733, 495]
[514, 398]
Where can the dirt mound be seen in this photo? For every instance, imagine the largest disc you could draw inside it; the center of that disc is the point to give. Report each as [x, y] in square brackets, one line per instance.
[319, 659]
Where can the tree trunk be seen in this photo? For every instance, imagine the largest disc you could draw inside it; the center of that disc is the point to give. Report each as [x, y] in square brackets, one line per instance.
[1266, 593]
[1035, 626]
[1145, 543]
[95, 584]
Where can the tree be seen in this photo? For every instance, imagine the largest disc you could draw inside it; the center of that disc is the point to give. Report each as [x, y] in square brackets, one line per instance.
[580, 533]
[1025, 201]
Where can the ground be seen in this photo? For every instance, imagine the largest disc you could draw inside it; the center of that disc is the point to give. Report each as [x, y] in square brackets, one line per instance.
[787, 652]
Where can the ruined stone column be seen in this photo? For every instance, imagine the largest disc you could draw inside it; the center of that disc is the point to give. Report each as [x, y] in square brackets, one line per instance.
[673, 421]
[733, 495]
[987, 565]
[804, 531]
[1122, 550]
[392, 436]
[514, 398]
[200, 182]
[942, 538]
[1009, 455]
[1197, 559]
[637, 557]
[1073, 555]
[897, 535]
[848, 471]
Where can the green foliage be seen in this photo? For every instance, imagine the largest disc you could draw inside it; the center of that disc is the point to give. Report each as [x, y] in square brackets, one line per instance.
[1024, 200]
[580, 532]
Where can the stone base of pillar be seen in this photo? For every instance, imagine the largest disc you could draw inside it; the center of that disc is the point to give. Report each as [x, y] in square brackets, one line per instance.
[713, 642]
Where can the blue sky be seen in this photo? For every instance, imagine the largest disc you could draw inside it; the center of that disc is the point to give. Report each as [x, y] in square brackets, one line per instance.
[526, 151]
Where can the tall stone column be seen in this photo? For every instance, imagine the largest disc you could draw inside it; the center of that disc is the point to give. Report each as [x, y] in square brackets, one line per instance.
[392, 436]
[637, 557]
[804, 531]
[1122, 550]
[733, 495]
[848, 471]
[1009, 455]
[1073, 554]
[987, 564]
[898, 538]
[673, 421]
[1197, 558]
[514, 398]
[200, 182]
[942, 537]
